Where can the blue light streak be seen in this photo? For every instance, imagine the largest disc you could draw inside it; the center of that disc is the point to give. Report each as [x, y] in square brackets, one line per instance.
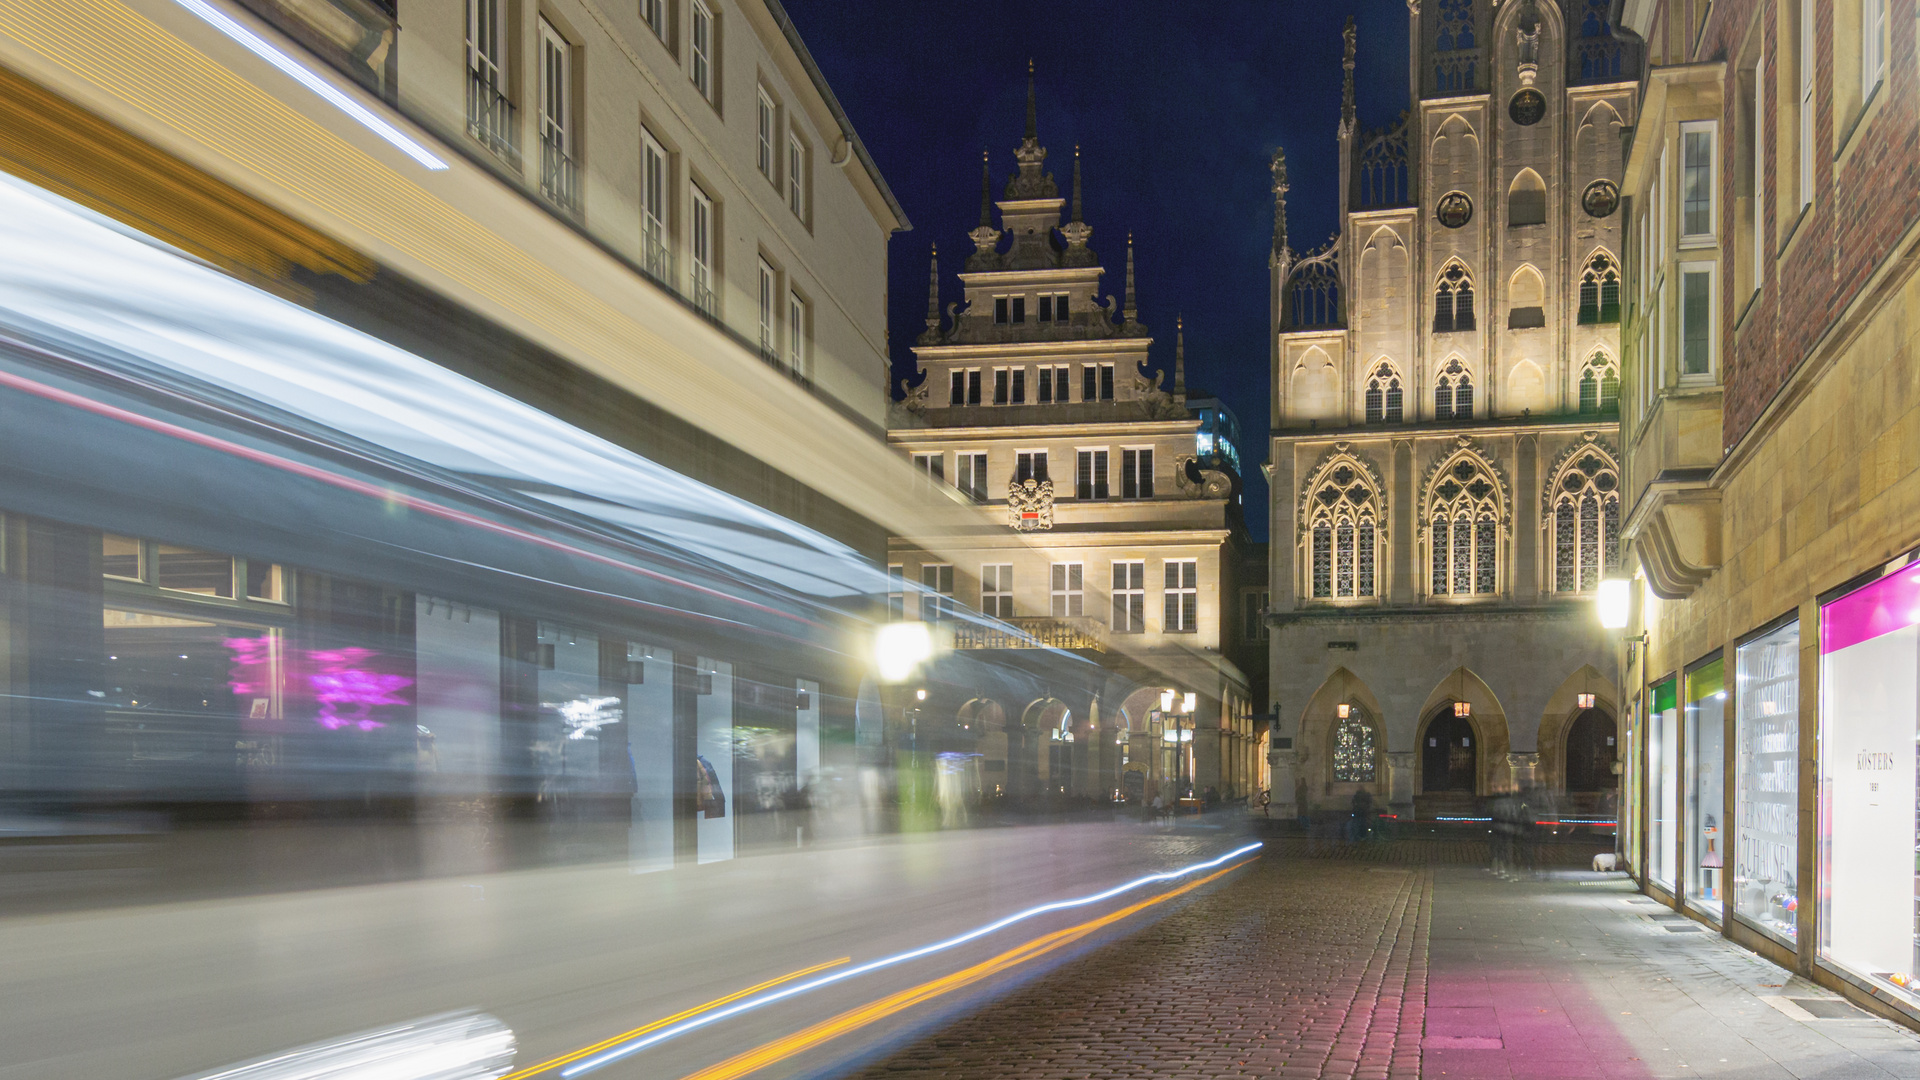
[616, 1053]
[265, 51]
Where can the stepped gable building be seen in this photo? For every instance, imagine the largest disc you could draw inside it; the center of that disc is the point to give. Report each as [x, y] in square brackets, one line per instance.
[1444, 467]
[1108, 531]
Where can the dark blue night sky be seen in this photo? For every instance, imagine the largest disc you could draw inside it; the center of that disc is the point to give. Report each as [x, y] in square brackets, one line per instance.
[1176, 110]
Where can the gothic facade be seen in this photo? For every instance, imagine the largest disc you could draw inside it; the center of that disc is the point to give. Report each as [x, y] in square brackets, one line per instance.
[1445, 474]
[1110, 522]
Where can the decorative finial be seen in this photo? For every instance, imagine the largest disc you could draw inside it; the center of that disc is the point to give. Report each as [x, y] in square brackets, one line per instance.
[1076, 183]
[933, 292]
[1279, 200]
[1347, 110]
[1033, 126]
[1180, 358]
[1129, 310]
[986, 194]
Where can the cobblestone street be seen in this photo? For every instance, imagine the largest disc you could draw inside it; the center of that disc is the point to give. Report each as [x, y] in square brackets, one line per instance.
[1408, 960]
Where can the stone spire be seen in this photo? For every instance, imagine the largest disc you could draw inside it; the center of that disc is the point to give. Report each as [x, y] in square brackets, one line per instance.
[1077, 232]
[1129, 311]
[1180, 359]
[986, 238]
[1076, 183]
[1033, 122]
[1030, 182]
[986, 192]
[1279, 166]
[1348, 113]
[932, 333]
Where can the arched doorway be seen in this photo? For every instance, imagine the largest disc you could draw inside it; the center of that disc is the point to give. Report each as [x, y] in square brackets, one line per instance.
[1050, 723]
[1450, 758]
[1590, 752]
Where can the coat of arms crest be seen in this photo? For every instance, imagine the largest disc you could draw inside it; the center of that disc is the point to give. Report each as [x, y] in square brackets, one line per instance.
[1030, 505]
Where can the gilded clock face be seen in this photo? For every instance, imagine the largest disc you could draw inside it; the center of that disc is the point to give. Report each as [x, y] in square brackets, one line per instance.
[1454, 209]
[1600, 199]
[1527, 107]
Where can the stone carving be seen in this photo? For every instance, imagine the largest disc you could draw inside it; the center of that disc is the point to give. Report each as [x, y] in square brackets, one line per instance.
[1199, 482]
[1030, 505]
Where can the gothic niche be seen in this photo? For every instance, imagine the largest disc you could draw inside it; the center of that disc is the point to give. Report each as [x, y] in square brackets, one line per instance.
[1454, 209]
[1527, 108]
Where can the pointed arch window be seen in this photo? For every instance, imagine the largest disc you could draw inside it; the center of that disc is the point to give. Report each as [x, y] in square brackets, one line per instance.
[1343, 536]
[1463, 517]
[1600, 291]
[1353, 751]
[1384, 397]
[1453, 392]
[1600, 385]
[1584, 511]
[1453, 300]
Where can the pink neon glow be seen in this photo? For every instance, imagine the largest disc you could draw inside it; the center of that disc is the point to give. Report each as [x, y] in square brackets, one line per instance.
[1892, 603]
[342, 681]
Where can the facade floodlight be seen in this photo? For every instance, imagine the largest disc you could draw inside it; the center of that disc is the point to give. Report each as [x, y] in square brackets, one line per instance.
[1613, 601]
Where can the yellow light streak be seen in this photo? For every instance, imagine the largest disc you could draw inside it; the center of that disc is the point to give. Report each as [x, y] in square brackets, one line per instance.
[780, 1049]
[568, 1058]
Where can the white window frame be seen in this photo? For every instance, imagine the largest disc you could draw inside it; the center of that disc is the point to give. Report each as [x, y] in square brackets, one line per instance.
[970, 474]
[1180, 585]
[655, 178]
[556, 88]
[797, 176]
[1807, 66]
[1710, 129]
[701, 36]
[797, 335]
[700, 250]
[769, 329]
[931, 464]
[1711, 270]
[1067, 592]
[654, 14]
[763, 137]
[936, 602]
[896, 592]
[1127, 593]
[1873, 47]
[487, 42]
[996, 586]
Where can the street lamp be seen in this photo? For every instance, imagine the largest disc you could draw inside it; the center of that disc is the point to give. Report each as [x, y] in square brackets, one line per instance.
[1613, 601]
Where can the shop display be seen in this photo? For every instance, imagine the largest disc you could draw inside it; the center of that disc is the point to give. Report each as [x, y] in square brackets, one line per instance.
[1766, 727]
[1706, 785]
[1663, 770]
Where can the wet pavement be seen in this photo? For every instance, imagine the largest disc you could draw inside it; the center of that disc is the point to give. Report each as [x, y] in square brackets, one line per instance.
[1410, 959]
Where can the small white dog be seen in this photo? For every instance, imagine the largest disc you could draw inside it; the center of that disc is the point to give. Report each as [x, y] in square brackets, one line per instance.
[1604, 863]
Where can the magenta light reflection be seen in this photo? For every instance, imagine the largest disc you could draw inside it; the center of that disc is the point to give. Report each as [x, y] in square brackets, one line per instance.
[342, 681]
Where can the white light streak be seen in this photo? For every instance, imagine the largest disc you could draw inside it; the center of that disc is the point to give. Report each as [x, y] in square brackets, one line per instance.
[255, 44]
[618, 1052]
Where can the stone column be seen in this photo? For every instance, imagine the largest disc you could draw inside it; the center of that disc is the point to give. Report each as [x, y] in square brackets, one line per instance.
[1400, 782]
[1282, 765]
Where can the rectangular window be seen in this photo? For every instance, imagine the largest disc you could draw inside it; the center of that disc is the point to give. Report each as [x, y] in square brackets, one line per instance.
[1046, 386]
[1869, 685]
[1002, 310]
[1766, 782]
[702, 250]
[797, 335]
[970, 475]
[266, 581]
[1130, 597]
[1061, 377]
[1046, 307]
[764, 158]
[936, 602]
[1873, 46]
[1090, 382]
[654, 14]
[1019, 386]
[559, 179]
[896, 592]
[1106, 382]
[958, 390]
[1136, 473]
[1182, 596]
[1060, 313]
[1697, 186]
[122, 557]
[191, 570]
[1029, 465]
[1696, 319]
[1663, 772]
[996, 590]
[933, 466]
[769, 289]
[973, 386]
[701, 70]
[653, 206]
[1068, 594]
[1002, 386]
[1805, 70]
[796, 177]
[1253, 622]
[1090, 475]
[1019, 309]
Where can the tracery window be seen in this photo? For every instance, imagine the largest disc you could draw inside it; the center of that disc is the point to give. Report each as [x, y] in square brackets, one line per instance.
[1453, 300]
[1353, 755]
[1384, 400]
[1599, 291]
[1456, 26]
[1584, 509]
[1463, 515]
[1343, 534]
[1453, 392]
[1600, 385]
